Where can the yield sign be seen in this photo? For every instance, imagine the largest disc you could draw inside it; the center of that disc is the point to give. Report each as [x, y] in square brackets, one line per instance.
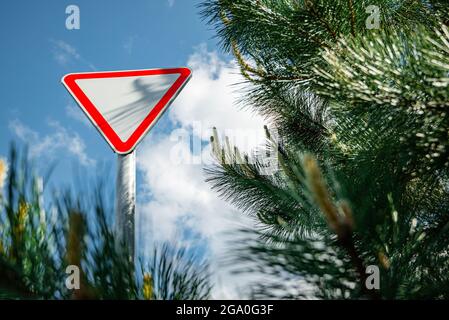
[124, 105]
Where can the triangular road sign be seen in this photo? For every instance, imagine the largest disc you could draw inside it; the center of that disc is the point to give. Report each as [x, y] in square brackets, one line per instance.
[124, 105]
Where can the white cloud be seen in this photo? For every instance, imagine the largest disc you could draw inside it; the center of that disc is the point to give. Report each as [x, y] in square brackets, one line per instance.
[75, 112]
[129, 44]
[171, 3]
[180, 198]
[211, 98]
[50, 145]
[64, 54]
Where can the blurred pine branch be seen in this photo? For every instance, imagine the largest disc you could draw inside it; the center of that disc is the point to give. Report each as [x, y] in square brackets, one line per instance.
[37, 244]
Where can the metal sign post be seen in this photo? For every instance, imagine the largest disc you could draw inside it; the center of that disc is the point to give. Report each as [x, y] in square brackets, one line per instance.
[125, 202]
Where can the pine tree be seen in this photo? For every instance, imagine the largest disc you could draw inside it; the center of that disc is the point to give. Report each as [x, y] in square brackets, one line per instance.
[362, 115]
[40, 239]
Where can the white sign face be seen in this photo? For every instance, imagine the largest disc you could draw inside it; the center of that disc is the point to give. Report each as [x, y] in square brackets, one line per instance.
[125, 102]
[124, 105]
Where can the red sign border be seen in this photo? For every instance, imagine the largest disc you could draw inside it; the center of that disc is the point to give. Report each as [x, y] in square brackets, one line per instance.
[119, 146]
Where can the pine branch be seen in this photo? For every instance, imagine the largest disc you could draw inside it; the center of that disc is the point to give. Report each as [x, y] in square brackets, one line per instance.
[376, 119]
[45, 247]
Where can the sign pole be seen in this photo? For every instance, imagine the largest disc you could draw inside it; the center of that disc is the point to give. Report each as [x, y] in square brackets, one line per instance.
[125, 201]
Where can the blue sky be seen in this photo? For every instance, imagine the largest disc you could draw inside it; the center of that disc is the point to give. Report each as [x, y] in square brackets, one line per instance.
[173, 200]
[114, 35]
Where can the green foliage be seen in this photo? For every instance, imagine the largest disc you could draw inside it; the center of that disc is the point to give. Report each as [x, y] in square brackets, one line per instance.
[372, 108]
[284, 37]
[402, 80]
[28, 262]
[38, 240]
[178, 274]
